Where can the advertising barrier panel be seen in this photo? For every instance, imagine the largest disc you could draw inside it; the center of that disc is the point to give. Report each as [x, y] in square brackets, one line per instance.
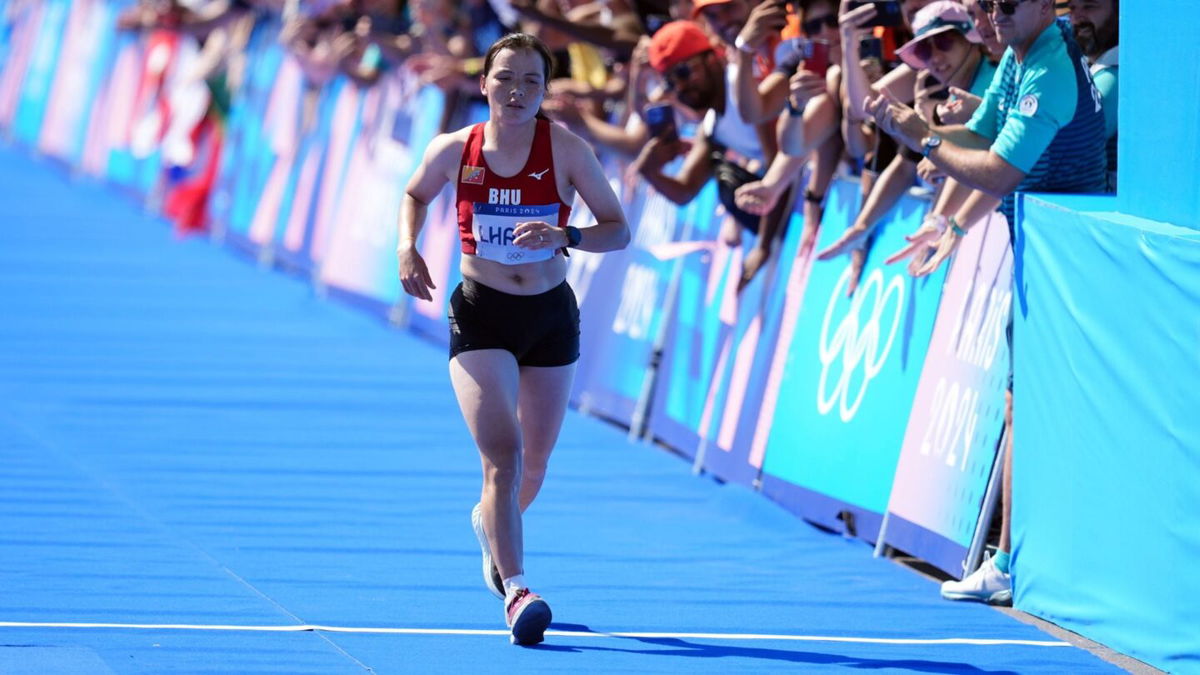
[743, 383]
[958, 413]
[622, 295]
[852, 369]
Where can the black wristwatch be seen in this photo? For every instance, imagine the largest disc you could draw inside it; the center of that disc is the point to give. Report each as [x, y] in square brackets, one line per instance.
[810, 196]
[574, 236]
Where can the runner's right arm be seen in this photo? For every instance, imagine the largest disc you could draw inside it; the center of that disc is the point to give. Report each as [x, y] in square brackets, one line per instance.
[436, 169]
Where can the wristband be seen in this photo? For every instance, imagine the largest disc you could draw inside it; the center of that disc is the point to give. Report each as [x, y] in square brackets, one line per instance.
[810, 196]
[954, 226]
[740, 45]
[938, 221]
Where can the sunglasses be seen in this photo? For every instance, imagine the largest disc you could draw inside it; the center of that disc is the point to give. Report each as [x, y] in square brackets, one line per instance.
[813, 26]
[681, 73]
[943, 42]
[1007, 7]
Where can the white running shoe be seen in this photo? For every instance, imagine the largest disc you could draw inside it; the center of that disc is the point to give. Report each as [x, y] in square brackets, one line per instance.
[528, 616]
[986, 584]
[491, 575]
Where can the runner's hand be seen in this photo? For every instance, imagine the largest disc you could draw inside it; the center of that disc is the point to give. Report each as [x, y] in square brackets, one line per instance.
[414, 275]
[538, 234]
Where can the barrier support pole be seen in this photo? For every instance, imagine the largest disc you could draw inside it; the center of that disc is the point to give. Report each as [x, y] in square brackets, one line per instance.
[639, 423]
[987, 510]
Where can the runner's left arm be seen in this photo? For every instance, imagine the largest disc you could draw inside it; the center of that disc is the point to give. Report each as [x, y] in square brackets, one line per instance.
[611, 231]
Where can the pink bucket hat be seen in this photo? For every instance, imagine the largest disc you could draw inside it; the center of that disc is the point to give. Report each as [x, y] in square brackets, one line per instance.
[938, 17]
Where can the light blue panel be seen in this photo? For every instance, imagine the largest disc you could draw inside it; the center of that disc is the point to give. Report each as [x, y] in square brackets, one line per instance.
[39, 76]
[853, 367]
[248, 157]
[1159, 112]
[1106, 461]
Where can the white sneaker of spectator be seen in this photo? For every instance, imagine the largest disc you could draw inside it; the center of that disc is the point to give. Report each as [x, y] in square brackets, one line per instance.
[986, 584]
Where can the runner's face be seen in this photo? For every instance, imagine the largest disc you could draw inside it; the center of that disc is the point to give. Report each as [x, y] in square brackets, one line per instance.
[515, 85]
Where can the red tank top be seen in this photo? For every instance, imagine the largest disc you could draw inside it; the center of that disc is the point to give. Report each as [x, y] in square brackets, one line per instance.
[490, 205]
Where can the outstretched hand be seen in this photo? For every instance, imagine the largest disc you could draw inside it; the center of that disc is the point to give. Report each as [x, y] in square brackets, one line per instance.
[756, 197]
[849, 239]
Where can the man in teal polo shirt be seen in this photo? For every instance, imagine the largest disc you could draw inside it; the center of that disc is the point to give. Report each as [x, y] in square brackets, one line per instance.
[1040, 128]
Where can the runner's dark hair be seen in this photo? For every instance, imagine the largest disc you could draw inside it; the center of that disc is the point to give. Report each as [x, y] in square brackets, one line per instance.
[519, 41]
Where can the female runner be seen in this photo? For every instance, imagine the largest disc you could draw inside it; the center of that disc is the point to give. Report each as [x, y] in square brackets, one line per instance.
[514, 324]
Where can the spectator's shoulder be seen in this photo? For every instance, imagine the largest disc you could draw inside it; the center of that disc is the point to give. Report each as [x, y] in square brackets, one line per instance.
[1049, 76]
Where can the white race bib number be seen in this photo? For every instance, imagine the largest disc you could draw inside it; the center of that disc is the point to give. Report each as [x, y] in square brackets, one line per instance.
[493, 227]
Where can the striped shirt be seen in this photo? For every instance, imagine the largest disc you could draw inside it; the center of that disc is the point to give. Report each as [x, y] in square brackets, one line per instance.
[1043, 116]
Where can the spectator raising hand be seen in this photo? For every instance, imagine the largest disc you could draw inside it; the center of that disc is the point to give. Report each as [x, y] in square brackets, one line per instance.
[961, 106]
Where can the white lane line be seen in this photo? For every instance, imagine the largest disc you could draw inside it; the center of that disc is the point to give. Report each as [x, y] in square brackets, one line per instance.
[555, 633]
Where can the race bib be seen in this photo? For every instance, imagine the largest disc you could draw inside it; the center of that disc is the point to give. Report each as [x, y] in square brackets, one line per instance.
[493, 227]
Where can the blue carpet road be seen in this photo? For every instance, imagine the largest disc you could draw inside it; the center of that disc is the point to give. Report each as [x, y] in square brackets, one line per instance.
[194, 450]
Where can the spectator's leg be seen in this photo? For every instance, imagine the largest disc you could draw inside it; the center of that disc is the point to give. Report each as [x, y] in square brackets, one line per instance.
[1005, 546]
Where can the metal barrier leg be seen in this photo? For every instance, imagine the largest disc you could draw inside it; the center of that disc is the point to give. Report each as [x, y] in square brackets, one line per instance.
[988, 509]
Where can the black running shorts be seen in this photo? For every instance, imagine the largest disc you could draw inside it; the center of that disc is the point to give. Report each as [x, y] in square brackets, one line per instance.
[540, 330]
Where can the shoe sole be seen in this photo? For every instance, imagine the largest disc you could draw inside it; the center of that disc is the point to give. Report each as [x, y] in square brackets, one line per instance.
[1002, 598]
[489, 578]
[530, 626]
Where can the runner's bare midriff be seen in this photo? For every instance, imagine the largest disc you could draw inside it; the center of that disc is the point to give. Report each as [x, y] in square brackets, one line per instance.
[527, 279]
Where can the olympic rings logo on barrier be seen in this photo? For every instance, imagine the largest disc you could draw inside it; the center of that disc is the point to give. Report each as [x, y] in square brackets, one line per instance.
[857, 343]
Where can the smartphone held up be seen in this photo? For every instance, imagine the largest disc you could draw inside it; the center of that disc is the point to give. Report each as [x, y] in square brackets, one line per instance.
[817, 57]
[660, 117]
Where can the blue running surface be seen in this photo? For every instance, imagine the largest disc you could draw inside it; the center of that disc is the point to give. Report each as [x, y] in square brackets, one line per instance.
[207, 468]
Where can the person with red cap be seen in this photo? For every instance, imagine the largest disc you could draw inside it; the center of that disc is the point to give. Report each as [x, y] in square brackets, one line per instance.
[726, 146]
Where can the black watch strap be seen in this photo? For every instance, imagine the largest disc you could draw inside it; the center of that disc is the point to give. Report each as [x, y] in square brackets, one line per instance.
[810, 196]
[574, 236]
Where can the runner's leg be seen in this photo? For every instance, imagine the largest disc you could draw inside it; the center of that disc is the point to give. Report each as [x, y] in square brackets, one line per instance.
[541, 406]
[486, 384]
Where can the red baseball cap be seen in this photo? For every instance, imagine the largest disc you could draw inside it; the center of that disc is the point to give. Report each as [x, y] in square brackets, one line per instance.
[676, 42]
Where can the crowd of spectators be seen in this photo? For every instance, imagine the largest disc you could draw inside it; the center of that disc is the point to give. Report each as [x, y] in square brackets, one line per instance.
[967, 101]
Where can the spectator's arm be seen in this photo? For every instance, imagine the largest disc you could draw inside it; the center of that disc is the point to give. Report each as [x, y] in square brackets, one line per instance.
[625, 141]
[619, 41]
[682, 188]
[895, 180]
[800, 134]
[981, 169]
[963, 137]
